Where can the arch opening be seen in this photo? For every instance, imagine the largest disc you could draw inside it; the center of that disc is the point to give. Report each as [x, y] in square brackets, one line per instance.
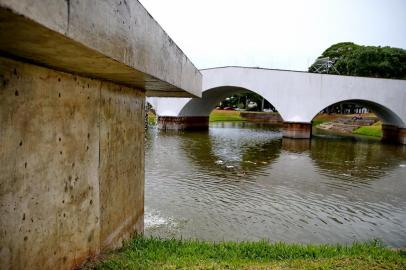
[386, 115]
[211, 98]
[194, 113]
[362, 117]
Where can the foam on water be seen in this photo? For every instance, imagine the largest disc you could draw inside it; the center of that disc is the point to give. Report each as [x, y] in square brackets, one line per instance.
[153, 218]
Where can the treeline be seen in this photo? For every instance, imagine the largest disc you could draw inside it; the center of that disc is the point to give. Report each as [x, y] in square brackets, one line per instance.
[347, 58]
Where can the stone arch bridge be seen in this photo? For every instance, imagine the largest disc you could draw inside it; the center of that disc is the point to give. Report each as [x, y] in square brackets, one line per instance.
[298, 97]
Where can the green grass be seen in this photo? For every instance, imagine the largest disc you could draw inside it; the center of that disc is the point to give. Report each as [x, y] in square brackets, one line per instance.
[374, 130]
[220, 115]
[153, 253]
[318, 122]
[323, 117]
[151, 118]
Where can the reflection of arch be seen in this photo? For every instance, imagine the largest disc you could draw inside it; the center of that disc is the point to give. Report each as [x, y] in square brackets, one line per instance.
[385, 114]
[347, 160]
[210, 98]
[201, 150]
[366, 161]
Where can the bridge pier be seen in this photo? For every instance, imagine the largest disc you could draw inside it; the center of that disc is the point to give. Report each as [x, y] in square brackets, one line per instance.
[393, 134]
[72, 95]
[297, 130]
[183, 122]
[72, 158]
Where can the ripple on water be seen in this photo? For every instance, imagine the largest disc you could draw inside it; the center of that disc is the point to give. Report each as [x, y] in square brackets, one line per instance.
[238, 183]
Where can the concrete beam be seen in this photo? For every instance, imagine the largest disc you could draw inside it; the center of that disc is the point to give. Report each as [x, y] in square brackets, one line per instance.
[112, 40]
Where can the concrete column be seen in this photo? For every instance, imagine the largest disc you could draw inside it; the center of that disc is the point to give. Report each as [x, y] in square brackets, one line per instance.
[296, 130]
[393, 134]
[72, 166]
[183, 122]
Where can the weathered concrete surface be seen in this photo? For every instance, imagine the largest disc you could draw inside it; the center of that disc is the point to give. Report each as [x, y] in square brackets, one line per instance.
[114, 40]
[183, 123]
[72, 176]
[121, 173]
[295, 130]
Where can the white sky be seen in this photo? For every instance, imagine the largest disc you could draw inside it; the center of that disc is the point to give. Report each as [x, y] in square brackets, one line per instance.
[284, 34]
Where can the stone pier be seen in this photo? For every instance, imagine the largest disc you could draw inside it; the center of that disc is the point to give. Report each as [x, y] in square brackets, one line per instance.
[393, 134]
[72, 94]
[295, 130]
[183, 123]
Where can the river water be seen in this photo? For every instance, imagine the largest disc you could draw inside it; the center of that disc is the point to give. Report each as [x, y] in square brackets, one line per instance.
[241, 181]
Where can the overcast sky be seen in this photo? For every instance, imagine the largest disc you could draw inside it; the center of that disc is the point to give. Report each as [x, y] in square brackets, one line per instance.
[283, 34]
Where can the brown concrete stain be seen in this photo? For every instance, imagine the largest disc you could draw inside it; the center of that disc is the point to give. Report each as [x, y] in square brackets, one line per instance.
[183, 122]
[71, 166]
[296, 130]
[393, 134]
[121, 161]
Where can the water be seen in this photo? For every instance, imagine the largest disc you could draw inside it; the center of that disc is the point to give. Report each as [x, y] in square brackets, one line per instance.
[241, 181]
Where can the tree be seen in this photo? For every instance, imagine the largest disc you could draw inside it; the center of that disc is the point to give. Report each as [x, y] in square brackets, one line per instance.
[367, 61]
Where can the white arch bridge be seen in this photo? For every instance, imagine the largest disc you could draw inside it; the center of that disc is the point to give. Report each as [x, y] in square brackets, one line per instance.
[298, 97]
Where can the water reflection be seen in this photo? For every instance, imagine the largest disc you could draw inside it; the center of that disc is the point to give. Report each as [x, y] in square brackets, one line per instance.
[233, 147]
[356, 160]
[296, 146]
[241, 181]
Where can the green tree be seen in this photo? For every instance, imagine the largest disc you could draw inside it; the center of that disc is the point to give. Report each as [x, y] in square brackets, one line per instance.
[367, 61]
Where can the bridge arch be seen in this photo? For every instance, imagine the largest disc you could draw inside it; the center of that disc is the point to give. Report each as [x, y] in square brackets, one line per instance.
[382, 111]
[211, 97]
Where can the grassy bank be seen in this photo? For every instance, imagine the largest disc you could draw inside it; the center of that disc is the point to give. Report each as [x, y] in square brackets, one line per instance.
[374, 130]
[222, 115]
[322, 118]
[150, 253]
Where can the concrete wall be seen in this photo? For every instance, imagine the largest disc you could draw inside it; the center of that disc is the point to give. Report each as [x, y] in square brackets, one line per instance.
[72, 166]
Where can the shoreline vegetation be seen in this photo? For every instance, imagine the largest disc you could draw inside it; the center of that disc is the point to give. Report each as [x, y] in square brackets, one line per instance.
[373, 130]
[334, 123]
[154, 253]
